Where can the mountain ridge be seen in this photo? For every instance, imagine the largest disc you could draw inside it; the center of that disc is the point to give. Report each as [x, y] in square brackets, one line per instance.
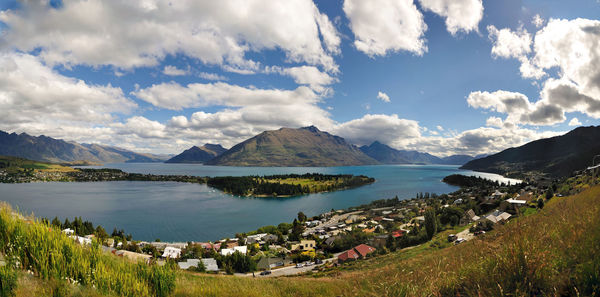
[196, 154]
[388, 155]
[555, 156]
[306, 146]
[48, 149]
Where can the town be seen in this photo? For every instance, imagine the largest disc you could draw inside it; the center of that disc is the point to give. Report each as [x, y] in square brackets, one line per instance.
[337, 237]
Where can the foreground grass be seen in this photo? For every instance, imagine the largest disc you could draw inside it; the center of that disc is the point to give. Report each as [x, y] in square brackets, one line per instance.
[555, 252]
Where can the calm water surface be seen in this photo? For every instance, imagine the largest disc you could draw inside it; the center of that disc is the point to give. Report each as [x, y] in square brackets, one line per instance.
[190, 212]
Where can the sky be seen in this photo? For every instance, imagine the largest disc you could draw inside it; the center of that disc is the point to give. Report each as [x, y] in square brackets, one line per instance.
[439, 76]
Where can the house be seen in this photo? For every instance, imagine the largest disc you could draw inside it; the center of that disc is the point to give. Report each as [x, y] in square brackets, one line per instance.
[68, 231]
[242, 249]
[268, 263]
[379, 240]
[253, 238]
[363, 250]
[171, 252]
[348, 255]
[81, 240]
[329, 241]
[304, 245]
[468, 217]
[133, 256]
[497, 194]
[210, 264]
[270, 238]
[398, 233]
[516, 202]
[358, 252]
[189, 263]
[209, 245]
[498, 216]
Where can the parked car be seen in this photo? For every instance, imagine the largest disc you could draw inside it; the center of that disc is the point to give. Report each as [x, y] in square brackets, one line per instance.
[319, 261]
[452, 237]
[299, 265]
[460, 240]
[309, 263]
[479, 232]
[266, 272]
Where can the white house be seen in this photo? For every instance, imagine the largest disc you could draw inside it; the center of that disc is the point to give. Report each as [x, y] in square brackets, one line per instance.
[515, 201]
[498, 216]
[171, 252]
[242, 249]
[68, 231]
[82, 240]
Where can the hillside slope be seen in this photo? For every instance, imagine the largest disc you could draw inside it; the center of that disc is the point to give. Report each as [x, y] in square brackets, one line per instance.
[197, 154]
[556, 156]
[306, 146]
[48, 149]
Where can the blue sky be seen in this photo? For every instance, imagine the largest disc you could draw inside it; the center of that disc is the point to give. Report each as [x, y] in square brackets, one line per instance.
[464, 77]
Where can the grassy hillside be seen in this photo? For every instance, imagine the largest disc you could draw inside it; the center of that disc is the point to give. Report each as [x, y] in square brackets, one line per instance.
[553, 252]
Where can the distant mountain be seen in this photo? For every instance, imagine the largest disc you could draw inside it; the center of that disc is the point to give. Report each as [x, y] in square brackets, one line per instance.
[387, 155]
[457, 159]
[48, 149]
[198, 154]
[556, 156]
[306, 146]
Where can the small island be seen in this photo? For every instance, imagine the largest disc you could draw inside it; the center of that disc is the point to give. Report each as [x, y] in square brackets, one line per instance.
[19, 170]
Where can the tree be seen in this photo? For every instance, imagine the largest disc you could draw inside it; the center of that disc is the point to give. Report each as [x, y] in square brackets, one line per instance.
[101, 234]
[430, 223]
[549, 194]
[301, 217]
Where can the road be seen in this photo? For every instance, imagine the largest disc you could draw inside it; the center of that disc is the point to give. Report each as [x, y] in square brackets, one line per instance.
[333, 221]
[291, 270]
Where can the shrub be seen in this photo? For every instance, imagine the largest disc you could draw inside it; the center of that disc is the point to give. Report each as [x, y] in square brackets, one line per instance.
[8, 281]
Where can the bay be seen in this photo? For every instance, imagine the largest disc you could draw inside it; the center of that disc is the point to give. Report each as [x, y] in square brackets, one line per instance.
[190, 212]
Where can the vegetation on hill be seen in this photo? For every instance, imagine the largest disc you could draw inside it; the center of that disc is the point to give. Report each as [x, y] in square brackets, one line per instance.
[556, 156]
[286, 185]
[293, 147]
[32, 245]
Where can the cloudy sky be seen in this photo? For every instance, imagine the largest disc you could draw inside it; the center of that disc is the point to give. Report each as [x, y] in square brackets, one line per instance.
[441, 76]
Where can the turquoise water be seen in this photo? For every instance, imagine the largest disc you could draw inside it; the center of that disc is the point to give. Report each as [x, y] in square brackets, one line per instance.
[191, 212]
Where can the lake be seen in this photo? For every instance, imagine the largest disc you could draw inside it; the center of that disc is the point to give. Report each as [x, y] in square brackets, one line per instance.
[191, 212]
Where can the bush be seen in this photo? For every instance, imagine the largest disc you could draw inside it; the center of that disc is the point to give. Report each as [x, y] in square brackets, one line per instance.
[8, 281]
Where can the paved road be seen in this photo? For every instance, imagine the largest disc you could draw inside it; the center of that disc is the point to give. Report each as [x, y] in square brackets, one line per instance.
[333, 221]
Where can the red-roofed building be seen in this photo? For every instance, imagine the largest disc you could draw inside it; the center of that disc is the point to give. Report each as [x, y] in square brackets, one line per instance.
[363, 250]
[398, 233]
[348, 255]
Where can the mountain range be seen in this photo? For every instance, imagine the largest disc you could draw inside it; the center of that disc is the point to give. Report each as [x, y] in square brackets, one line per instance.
[387, 155]
[306, 146]
[48, 149]
[556, 156]
[197, 154]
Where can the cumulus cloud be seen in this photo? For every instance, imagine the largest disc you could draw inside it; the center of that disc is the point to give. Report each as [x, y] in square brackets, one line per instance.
[440, 128]
[174, 71]
[129, 34]
[461, 15]
[383, 96]
[306, 75]
[574, 122]
[508, 43]
[537, 21]
[388, 129]
[494, 122]
[33, 95]
[384, 26]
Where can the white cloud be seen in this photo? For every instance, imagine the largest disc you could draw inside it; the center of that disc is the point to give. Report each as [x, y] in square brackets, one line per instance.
[385, 128]
[211, 76]
[574, 122]
[384, 26]
[440, 128]
[461, 15]
[383, 96]
[33, 96]
[129, 34]
[537, 21]
[509, 44]
[174, 71]
[494, 122]
[306, 75]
